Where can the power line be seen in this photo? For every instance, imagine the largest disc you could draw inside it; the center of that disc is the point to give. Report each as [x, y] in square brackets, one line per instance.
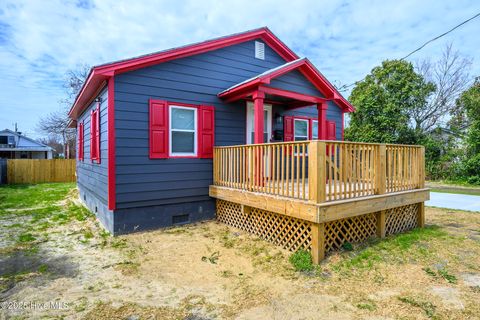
[345, 87]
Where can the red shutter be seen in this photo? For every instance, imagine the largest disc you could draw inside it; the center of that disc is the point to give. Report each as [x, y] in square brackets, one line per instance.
[158, 127]
[97, 133]
[80, 141]
[93, 150]
[331, 130]
[206, 131]
[288, 128]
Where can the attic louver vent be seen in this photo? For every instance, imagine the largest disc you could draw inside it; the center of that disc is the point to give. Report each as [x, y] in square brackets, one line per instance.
[259, 50]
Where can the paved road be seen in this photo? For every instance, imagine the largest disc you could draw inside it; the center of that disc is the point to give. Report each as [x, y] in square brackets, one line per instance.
[454, 201]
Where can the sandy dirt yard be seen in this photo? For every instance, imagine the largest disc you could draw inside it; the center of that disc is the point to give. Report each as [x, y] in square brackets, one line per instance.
[57, 262]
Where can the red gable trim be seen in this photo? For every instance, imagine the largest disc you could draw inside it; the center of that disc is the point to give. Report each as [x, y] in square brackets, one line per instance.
[334, 93]
[307, 69]
[101, 73]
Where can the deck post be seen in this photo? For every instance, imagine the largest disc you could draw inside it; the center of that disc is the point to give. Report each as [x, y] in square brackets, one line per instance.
[258, 117]
[317, 171]
[421, 167]
[421, 215]
[380, 170]
[421, 184]
[318, 242]
[381, 224]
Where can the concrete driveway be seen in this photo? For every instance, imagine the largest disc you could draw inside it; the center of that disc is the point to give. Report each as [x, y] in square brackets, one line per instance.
[454, 201]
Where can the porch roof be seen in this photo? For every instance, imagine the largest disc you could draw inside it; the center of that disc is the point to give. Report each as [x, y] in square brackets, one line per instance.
[260, 83]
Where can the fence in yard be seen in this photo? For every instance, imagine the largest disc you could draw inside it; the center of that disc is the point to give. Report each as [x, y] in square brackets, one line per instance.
[36, 171]
[3, 171]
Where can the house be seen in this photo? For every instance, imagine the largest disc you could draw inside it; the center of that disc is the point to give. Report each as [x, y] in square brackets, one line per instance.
[240, 128]
[147, 125]
[14, 145]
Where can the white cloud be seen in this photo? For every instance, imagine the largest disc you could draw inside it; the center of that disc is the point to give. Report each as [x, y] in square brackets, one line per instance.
[40, 40]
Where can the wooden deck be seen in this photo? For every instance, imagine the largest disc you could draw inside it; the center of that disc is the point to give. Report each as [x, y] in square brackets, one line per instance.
[360, 186]
[337, 190]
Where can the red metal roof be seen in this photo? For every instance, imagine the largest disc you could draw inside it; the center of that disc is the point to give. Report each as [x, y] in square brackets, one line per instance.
[305, 67]
[100, 74]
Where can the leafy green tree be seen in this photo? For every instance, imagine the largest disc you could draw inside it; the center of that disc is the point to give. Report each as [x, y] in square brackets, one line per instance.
[441, 154]
[470, 103]
[384, 101]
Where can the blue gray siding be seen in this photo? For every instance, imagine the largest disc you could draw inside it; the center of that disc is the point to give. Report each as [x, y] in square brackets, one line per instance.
[197, 80]
[92, 178]
[295, 81]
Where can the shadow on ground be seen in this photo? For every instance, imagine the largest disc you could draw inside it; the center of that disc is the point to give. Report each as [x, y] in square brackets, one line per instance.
[23, 264]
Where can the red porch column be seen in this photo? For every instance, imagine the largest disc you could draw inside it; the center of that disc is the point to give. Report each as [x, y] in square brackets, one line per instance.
[258, 98]
[322, 120]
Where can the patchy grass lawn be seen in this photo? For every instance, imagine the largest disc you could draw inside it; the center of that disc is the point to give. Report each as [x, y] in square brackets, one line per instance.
[52, 250]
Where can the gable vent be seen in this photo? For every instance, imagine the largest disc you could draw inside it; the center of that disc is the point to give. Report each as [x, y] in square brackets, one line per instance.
[259, 50]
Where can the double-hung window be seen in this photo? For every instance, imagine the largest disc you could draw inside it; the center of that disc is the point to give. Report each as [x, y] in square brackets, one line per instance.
[183, 131]
[301, 129]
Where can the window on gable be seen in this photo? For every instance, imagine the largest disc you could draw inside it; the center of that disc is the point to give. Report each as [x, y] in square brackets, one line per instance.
[259, 50]
[183, 131]
[300, 129]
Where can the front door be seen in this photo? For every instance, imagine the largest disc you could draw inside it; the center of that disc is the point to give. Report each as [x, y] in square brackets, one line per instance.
[267, 122]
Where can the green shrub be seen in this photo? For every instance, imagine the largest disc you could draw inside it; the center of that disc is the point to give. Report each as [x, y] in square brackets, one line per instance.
[347, 246]
[26, 237]
[301, 260]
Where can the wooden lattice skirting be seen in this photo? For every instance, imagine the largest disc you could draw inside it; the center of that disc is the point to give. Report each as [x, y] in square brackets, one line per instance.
[285, 231]
[293, 234]
[401, 219]
[354, 229]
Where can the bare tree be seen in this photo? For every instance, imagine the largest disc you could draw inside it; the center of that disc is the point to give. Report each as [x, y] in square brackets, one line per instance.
[450, 74]
[54, 143]
[55, 124]
[73, 82]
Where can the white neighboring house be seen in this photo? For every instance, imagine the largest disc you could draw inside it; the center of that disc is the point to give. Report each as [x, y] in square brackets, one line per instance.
[15, 146]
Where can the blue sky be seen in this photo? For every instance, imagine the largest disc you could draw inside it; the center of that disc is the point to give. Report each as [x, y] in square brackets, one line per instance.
[41, 40]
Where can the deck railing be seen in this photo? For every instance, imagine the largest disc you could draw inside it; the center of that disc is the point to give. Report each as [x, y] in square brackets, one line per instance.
[320, 171]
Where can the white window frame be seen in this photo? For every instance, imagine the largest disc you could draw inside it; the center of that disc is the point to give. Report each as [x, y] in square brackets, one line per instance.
[314, 121]
[250, 122]
[294, 133]
[170, 135]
